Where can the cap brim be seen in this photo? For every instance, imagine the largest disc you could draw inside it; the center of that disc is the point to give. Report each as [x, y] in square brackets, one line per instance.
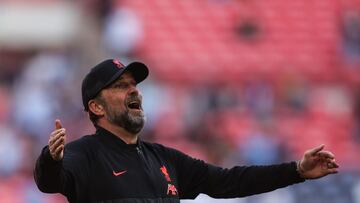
[137, 69]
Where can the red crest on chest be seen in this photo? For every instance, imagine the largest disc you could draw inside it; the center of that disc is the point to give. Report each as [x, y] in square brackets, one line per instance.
[165, 172]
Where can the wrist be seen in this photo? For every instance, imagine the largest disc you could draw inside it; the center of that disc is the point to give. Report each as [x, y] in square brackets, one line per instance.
[48, 157]
[300, 169]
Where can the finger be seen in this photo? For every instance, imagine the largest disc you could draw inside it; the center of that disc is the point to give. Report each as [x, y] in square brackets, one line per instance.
[56, 144]
[326, 154]
[330, 159]
[55, 137]
[53, 133]
[53, 148]
[332, 171]
[335, 164]
[58, 124]
[58, 150]
[58, 154]
[53, 140]
[332, 164]
[315, 150]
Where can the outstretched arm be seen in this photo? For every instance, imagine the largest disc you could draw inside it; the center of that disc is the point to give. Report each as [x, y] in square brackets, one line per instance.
[195, 176]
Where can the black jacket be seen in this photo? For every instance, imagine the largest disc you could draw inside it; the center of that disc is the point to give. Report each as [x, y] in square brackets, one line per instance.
[102, 168]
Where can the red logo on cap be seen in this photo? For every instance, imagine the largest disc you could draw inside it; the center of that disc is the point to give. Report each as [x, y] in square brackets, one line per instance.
[118, 63]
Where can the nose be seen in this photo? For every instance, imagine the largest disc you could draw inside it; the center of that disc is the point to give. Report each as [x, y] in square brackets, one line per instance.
[133, 91]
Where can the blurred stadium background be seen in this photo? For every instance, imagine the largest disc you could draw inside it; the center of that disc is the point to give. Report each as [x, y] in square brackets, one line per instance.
[232, 82]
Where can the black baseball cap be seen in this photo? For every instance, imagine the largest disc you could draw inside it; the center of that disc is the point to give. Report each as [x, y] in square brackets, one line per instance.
[105, 73]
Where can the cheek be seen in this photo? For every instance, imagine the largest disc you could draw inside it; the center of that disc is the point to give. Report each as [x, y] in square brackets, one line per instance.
[115, 100]
[117, 103]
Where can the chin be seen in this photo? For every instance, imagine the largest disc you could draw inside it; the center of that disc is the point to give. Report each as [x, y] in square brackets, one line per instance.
[137, 113]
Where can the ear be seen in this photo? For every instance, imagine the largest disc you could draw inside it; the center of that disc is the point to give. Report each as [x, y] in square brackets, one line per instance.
[96, 108]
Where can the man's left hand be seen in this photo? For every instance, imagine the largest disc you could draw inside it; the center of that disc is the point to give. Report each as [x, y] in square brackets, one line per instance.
[317, 163]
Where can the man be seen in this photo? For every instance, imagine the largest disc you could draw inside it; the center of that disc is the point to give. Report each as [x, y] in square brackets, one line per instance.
[115, 165]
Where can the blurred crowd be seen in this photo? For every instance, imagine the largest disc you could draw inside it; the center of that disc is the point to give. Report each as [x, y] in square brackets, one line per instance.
[256, 119]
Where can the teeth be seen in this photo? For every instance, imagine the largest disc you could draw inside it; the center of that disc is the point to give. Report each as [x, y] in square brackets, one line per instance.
[134, 104]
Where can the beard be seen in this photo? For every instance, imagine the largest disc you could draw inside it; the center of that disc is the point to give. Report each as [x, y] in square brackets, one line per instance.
[131, 122]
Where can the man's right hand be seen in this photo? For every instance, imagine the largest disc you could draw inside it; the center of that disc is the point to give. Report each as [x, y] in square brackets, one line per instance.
[57, 141]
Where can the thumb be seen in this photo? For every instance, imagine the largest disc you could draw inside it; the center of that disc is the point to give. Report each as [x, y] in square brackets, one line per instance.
[58, 124]
[315, 150]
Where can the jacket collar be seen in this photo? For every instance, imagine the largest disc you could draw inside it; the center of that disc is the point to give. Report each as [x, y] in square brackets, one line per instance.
[114, 140]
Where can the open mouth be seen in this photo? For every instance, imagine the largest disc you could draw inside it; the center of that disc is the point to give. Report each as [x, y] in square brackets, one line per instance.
[134, 105]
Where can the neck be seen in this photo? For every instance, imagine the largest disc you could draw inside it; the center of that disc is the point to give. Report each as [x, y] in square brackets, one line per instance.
[120, 132]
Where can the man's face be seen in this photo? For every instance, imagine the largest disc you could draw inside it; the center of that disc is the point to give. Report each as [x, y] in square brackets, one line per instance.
[123, 104]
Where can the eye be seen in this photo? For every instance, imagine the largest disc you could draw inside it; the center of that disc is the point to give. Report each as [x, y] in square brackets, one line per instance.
[120, 85]
[123, 85]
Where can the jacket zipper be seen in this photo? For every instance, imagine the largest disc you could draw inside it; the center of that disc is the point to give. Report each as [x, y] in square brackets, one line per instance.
[148, 169]
[142, 157]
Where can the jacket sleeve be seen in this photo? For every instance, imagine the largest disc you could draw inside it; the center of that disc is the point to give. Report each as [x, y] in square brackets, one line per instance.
[71, 175]
[196, 176]
[50, 175]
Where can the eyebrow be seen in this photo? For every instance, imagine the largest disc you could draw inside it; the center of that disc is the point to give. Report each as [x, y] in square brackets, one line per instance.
[120, 80]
